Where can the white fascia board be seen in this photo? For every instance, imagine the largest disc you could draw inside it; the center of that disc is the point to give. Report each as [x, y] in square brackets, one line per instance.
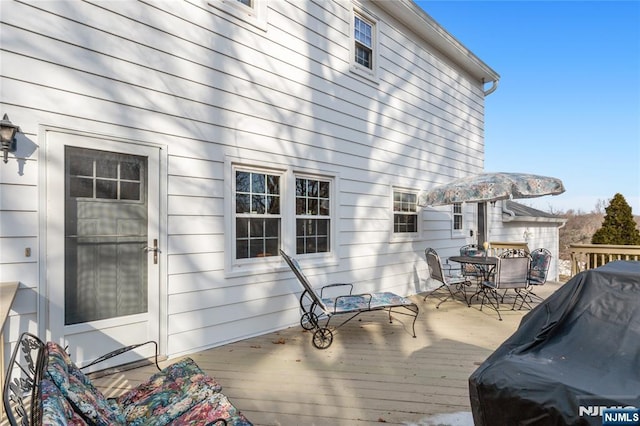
[418, 21]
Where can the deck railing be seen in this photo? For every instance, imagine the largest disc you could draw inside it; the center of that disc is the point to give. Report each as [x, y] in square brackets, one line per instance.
[499, 247]
[589, 256]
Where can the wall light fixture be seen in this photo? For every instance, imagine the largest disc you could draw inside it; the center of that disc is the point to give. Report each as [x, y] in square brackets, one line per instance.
[8, 136]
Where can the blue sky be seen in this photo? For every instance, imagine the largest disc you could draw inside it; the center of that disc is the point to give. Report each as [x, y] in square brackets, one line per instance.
[568, 100]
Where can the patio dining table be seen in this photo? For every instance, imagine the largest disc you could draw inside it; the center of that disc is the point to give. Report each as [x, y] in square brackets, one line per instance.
[486, 264]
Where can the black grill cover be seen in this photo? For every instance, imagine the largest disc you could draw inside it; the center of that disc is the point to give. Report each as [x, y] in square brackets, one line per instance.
[576, 351]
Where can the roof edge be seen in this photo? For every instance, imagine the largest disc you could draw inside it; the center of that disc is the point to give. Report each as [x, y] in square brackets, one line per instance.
[508, 218]
[426, 27]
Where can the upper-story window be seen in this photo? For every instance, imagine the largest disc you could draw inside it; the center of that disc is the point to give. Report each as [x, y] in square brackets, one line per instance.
[364, 51]
[253, 12]
[405, 213]
[363, 35]
[313, 215]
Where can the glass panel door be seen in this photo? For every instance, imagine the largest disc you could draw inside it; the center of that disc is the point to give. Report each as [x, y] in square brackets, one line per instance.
[105, 235]
[103, 245]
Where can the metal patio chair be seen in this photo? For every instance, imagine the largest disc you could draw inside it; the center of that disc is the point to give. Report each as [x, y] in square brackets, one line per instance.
[468, 269]
[317, 308]
[452, 280]
[512, 273]
[538, 271]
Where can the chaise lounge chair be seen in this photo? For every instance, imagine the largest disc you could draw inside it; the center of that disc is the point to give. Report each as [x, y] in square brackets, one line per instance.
[316, 307]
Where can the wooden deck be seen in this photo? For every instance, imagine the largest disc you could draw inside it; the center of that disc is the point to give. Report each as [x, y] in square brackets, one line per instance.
[374, 372]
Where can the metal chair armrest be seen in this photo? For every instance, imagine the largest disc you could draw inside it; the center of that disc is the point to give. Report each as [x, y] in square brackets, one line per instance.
[122, 350]
[350, 285]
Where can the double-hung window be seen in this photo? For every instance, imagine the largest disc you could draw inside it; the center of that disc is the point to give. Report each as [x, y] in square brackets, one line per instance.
[363, 35]
[405, 213]
[258, 214]
[457, 220]
[364, 45]
[279, 209]
[313, 215]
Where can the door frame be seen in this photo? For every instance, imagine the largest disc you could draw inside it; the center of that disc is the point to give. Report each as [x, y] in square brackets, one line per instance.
[482, 223]
[42, 310]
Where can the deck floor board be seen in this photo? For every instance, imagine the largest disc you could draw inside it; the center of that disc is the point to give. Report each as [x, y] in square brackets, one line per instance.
[374, 372]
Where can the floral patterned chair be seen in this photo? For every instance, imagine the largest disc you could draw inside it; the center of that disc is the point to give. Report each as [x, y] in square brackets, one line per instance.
[61, 394]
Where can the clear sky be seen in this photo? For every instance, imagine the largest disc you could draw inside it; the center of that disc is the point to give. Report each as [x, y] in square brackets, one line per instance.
[568, 100]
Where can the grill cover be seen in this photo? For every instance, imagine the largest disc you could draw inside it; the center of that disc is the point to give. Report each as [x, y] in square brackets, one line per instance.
[573, 355]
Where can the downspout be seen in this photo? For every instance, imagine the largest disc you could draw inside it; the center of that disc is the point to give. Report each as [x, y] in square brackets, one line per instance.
[507, 211]
[491, 89]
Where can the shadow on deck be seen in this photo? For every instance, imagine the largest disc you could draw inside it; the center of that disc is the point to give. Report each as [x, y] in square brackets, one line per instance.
[374, 371]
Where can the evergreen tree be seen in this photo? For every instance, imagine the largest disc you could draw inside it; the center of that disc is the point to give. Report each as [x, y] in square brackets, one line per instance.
[618, 226]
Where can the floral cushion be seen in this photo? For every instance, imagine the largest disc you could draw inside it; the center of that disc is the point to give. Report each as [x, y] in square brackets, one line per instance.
[55, 409]
[210, 410]
[78, 389]
[167, 394]
[356, 302]
[180, 394]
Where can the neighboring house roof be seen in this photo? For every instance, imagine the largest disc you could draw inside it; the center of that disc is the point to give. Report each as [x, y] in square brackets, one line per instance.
[418, 21]
[516, 212]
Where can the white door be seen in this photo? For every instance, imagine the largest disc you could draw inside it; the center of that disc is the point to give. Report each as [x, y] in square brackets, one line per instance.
[102, 245]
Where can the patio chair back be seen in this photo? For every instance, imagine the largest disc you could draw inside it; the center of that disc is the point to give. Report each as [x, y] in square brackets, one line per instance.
[470, 269]
[540, 261]
[295, 267]
[512, 270]
[453, 281]
[435, 265]
[470, 250]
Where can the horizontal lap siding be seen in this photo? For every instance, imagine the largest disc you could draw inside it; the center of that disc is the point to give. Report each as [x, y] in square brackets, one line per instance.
[187, 75]
[19, 232]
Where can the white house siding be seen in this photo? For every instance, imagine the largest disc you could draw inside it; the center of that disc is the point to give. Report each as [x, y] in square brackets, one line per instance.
[537, 232]
[541, 236]
[212, 90]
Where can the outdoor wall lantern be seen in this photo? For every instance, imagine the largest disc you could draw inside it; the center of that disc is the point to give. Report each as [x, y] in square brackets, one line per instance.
[8, 136]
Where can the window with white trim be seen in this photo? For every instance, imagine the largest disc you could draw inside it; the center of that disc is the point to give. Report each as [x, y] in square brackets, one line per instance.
[364, 45]
[405, 212]
[253, 12]
[313, 215]
[257, 214]
[457, 218]
[363, 35]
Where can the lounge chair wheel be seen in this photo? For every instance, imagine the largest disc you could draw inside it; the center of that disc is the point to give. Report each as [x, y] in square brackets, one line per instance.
[322, 338]
[309, 321]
